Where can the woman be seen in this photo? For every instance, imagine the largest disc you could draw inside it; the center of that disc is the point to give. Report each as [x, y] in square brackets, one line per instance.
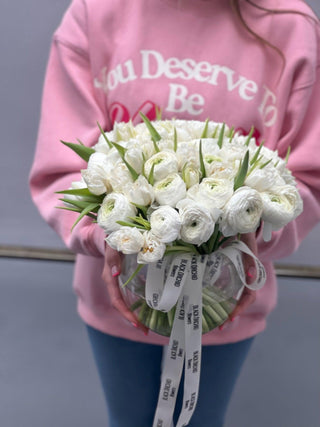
[238, 62]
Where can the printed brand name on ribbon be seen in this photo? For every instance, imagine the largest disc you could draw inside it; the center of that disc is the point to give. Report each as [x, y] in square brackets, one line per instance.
[178, 280]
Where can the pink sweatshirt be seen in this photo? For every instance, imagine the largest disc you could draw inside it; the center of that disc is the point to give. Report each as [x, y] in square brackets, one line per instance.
[193, 59]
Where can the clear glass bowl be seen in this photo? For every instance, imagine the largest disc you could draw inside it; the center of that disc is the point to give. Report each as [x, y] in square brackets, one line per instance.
[219, 298]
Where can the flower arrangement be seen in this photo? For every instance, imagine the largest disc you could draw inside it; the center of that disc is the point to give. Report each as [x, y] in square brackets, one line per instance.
[175, 196]
[178, 186]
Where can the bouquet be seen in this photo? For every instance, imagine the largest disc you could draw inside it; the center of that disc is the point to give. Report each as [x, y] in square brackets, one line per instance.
[175, 196]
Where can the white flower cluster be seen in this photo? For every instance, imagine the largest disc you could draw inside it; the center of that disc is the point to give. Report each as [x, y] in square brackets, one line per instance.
[181, 181]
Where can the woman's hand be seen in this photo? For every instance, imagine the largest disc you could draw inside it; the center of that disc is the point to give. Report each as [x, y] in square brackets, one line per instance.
[111, 271]
[248, 296]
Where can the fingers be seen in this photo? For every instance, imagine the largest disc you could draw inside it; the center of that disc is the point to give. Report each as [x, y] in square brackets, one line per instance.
[247, 298]
[249, 266]
[111, 271]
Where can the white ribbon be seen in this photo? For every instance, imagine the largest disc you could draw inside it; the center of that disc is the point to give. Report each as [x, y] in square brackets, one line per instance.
[178, 281]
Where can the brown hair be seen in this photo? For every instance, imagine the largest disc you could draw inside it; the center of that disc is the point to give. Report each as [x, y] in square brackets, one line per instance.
[235, 4]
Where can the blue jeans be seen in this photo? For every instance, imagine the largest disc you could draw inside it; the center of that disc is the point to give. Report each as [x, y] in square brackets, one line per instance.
[130, 375]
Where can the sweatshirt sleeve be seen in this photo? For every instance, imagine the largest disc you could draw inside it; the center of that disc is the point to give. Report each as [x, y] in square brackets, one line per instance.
[301, 131]
[69, 111]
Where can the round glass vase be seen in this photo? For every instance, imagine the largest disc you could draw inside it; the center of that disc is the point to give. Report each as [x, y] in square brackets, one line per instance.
[219, 298]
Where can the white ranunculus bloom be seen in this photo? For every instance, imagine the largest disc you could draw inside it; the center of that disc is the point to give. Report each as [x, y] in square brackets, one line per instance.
[119, 176]
[123, 131]
[152, 250]
[281, 205]
[264, 179]
[164, 162]
[128, 240]
[170, 190]
[165, 224]
[102, 146]
[96, 176]
[115, 207]
[197, 224]
[242, 213]
[188, 151]
[213, 193]
[139, 191]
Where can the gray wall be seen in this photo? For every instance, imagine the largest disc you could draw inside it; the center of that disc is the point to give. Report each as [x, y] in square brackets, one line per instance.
[26, 29]
[47, 376]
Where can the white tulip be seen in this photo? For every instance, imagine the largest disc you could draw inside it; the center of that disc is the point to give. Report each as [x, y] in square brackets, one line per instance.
[152, 251]
[96, 175]
[281, 205]
[165, 224]
[242, 213]
[170, 190]
[115, 207]
[128, 240]
[164, 163]
[139, 191]
[197, 224]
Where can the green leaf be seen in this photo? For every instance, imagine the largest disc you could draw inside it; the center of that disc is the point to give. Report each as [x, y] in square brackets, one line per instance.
[265, 164]
[205, 129]
[104, 135]
[83, 192]
[212, 242]
[130, 224]
[214, 134]
[133, 275]
[175, 140]
[81, 204]
[256, 154]
[121, 150]
[221, 136]
[141, 221]
[288, 154]
[231, 132]
[142, 208]
[158, 113]
[249, 136]
[155, 136]
[82, 151]
[242, 172]
[85, 212]
[151, 175]
[202, 166]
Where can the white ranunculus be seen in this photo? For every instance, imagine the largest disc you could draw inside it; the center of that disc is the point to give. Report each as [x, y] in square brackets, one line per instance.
[152, 251]
[170, 190]
[123, 131]
[115, 207]
[213, 193]
[102, 146]
[128, 240]
[139, 191]
[242, 213]
[197, 224]
[96, 176]
[119, 176]
[281, 205]
[264, 179]
[188, 151]
[164, 162]
[165, 224]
